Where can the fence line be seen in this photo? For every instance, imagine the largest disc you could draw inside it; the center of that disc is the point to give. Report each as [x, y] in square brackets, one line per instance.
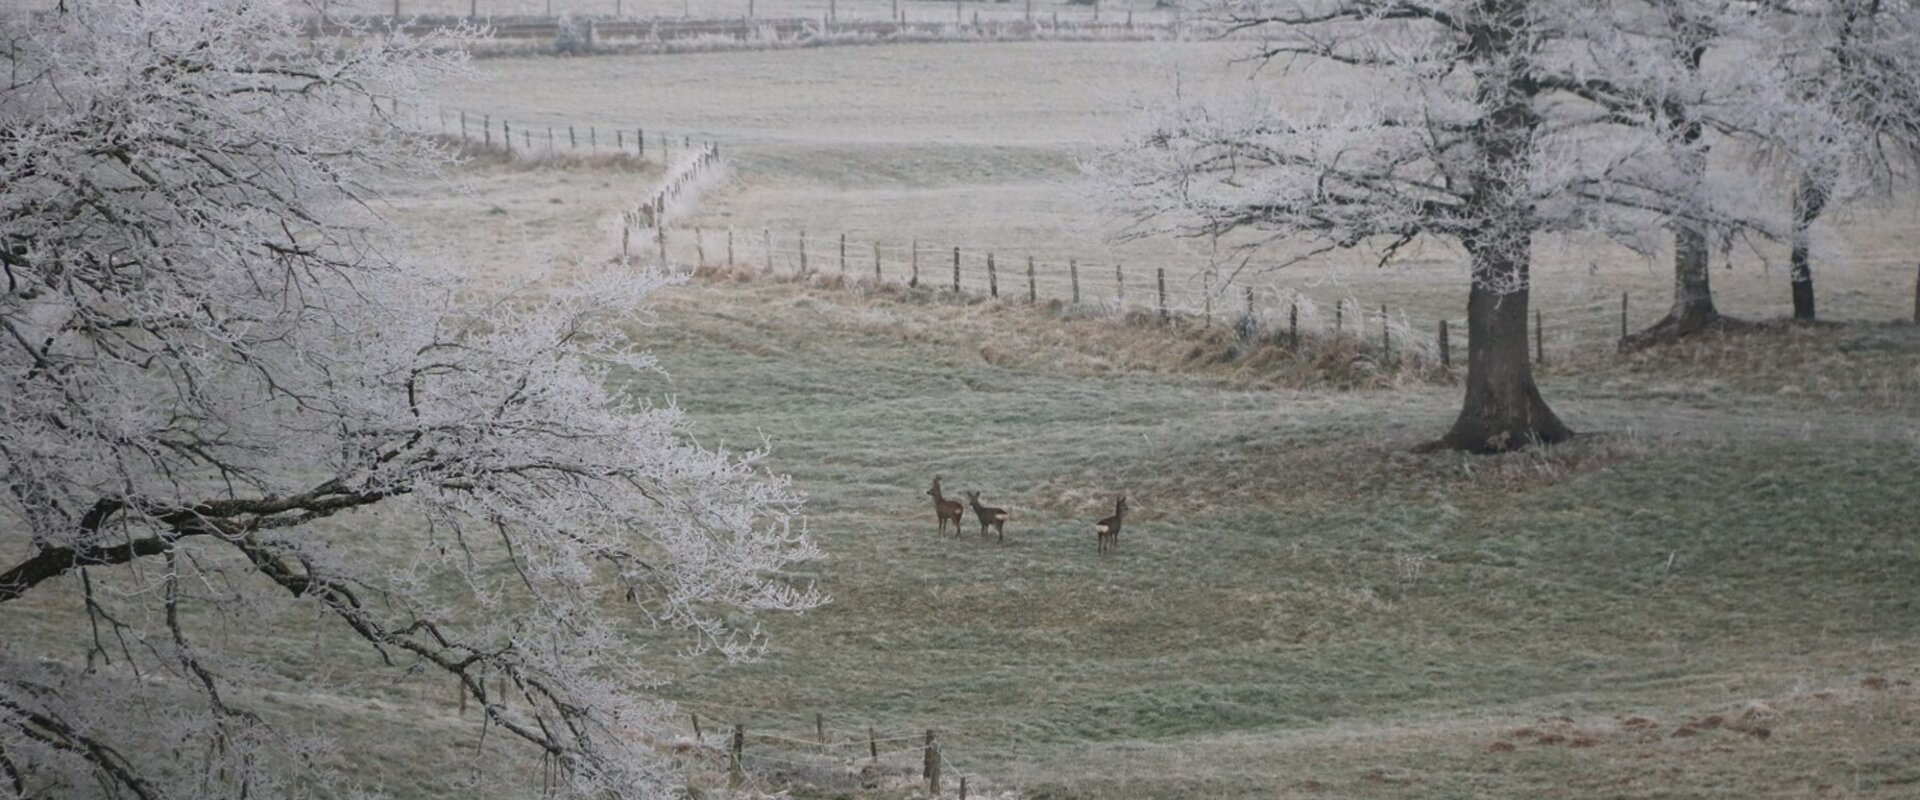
[1253, 310]
[619, 32]
[825, 754]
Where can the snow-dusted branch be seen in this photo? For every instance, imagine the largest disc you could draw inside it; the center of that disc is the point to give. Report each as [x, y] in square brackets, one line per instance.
[210, 349]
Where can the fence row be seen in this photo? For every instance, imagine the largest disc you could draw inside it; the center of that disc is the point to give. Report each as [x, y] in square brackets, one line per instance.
[828, 755]
[1282, 314]
[514, 18]
[862, 756]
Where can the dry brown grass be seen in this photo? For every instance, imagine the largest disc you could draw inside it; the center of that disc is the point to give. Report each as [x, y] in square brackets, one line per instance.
[1011, 332]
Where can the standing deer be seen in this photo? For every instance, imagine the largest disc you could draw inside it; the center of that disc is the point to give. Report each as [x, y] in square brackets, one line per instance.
[1108, 530]
[945, 509]
[996, 517]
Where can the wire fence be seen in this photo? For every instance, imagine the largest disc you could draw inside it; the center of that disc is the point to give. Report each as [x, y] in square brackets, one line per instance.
[621, 32]
[758, 743]
[1283, 314]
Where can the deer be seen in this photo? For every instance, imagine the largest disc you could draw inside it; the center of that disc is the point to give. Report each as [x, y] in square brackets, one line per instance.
[945, 509]
[1108, 530]
[996, 517]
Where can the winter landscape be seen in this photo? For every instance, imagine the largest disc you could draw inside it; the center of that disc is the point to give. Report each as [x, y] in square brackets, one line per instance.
[891, 399]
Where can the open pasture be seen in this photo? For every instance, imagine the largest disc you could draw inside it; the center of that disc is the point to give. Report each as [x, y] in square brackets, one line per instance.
[979, 146]
[1714, 596]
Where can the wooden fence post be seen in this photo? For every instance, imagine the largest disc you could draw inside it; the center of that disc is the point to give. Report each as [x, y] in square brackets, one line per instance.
[963, 787]
[640, 142]
[993, 278]
[460, 686]
[463, 126]
[1073, 271]
[1623, 314]
[956, 270]
[1206, 299]
[699, 249]
[803, 253]
[486, 128]
[843, 254]
[735, 774]
[1386, 341]
[573, 143]
[1033, 294]
[593, 138]
[697, 735]
[931, 770]
[766, 245]
[1293, 324]
[620, 140]
[914, 282]
[626, 234]
[1160, 275]
[1445, 358]
[506, 134]
[729, 247]
[876, 264]
[1120, 287]
[660, 235]
[1916, 295]
[820, 727]
[1339, 316]
[1539, 340]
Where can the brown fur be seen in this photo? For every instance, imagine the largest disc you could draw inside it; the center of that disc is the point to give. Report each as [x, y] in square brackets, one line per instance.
[945, 509]
[1108, 530]
[989, 516]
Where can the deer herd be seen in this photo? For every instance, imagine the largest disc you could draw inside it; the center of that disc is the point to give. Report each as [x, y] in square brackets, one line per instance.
[1106, 531]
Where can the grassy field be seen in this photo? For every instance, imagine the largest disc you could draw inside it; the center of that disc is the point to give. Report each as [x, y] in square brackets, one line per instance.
[1299, 602]
[1714, 596]
[1711, 599]
[978, 146]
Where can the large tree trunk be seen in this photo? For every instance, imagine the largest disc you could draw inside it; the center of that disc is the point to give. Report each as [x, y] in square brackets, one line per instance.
[1693, 307]
[1503, 409]
[1809, 200]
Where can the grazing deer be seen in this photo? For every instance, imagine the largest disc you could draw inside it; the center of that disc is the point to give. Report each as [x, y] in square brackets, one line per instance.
[945, 509]
[1108, 530]
[996, 517]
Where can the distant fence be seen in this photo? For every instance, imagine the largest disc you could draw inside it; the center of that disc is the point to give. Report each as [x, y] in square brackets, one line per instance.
[596, 34]
[744, 742]
[1284, 315]
[831, 758]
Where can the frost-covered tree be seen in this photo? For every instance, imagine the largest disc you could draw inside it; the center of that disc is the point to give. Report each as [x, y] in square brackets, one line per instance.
[1487, 123]
[1859, 60]
[233, 413]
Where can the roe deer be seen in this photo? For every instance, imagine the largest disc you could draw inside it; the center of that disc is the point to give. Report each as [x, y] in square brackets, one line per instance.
[996, 517]
[945, 509]
[1108, 530]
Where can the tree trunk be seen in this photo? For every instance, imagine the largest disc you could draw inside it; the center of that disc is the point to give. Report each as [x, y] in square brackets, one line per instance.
[1693, 307]
[1809, 200]
[1503, 409]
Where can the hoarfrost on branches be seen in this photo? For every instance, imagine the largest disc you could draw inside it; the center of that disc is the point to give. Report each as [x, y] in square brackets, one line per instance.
[209, 348]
